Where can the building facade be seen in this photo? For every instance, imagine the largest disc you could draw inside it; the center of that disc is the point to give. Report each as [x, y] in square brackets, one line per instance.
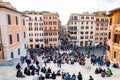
[81, 29]
[51, 29]
[35, 31]
[12, 32]
[101, 29]
[113, 48]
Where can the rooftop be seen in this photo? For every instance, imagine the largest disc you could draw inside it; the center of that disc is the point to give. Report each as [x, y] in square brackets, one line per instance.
[116, 9]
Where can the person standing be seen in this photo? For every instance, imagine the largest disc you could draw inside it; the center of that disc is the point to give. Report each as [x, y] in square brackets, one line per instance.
[91, 78]
[36, 76]
[79, 76]
[73, 77]
[41, 77]
[18, 66]
[63, 78]
[67, 77]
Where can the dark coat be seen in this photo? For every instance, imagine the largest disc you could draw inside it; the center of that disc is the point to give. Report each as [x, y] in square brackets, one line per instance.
[79, 77]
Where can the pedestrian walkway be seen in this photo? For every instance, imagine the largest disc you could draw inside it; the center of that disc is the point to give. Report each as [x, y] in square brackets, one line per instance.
[9, 72]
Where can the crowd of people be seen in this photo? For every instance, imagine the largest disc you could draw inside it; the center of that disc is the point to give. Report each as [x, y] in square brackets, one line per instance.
[104, 72]
[34, 68]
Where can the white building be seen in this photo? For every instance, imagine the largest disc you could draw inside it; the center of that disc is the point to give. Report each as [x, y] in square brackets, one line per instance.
[81, 29]
[35, 31]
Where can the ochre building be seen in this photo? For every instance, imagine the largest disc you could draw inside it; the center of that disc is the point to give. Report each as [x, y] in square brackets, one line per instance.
[101, 28]
[51, 29]
[113, 49]
[12, 32]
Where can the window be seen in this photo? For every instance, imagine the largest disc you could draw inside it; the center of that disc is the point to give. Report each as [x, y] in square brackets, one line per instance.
[36, 40]
[40, 18]
[75, 18]
[23, 22]
[110, 21]
[9, 19]
[24, 35]
[92, 17]
[105, 28]
[16, 20]
[41, 40]
[97, 19]
[35, 18]
[17, 37]
[86, 32]
[50, 28]
[45, 28]
[102, 24]
[81, 32]
[101, 28]
[118, 21]
[96, 34]
[12, 55]
[87, 27]
[101, 38]
[54, 23]
[91, 37]
[108, 48]
[97, 28]
[82, 17]
[102, 20]
[96, 38]
[91, 32]
[81, 37]
[18, 51]
[116, 38]
[109, 35]
[35, 34]
[40, 34]
[97, 24]
[92, 22]
[75, 32]
[82, 27]
[71, 28]
[54, 28]
[91, 27]
[87, 17]
[31, 40]
[115, 54]
[86, 22]
[71, 18]
[30, 24]
[75, 28]
[10, 38]
[86, 37]
[81, 22]
[30, 19]
[25, 46]
[75, 23]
